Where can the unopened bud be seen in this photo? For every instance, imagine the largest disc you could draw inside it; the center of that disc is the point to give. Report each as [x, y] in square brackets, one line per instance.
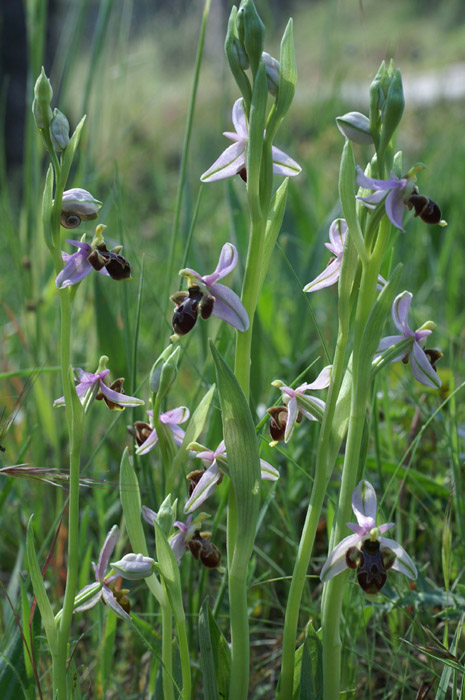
[77, 205]
[393, 107]
[134, 566]
[272, 68]
[167, 514]
[43, 94]
[355, 127]
[59, 130]
[240, 54]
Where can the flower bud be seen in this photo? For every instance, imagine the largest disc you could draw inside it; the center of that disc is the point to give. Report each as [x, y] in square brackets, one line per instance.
[239, 54]
[43, 94]
[355, 127]
[167, 514]
[393, 107]
[272, 68]
[169, 372]
[59, 130]
[134, 566]
[251, 31]
[78, 205]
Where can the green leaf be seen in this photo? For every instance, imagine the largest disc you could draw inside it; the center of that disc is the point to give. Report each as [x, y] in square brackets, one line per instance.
[308, 681]
[195, 427]
[13, 676]
[47, 206]
[375, 324]
[287, 76]
[273, 226]
[70, 151]
[169, 570]
[215, 656]
[131, 504]
[243, 459]
[348, 201]
[39, 589]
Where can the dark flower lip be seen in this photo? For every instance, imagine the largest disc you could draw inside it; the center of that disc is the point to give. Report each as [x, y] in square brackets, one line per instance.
[278, 422]
[117, 267]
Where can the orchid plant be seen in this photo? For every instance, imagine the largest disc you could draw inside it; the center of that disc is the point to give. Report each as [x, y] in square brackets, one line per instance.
[359, 240]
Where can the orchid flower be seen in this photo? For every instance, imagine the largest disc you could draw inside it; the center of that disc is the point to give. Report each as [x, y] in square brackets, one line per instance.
[76, 205]
[366, 550]
[332, 272]
[146, 435]
[395, 193]
[420, 364]
[190, 537]
[92, 386]
[330, 275]
[298, 403]
[102, 587]
[209, 297]
[95, 256]
[233, 159]
[215, 463]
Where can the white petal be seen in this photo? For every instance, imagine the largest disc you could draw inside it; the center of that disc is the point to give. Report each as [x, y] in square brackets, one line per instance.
[228, 164]
[364, 503]
[336, 561]
[204, 488]
[403, 562]
[284, 164]
[239, 120]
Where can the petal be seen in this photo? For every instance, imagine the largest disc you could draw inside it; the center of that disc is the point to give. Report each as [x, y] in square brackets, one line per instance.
[76, 268]
[395, 208]
[371, 183]
[229, 307]
[311, 406]
[327, 278]
[221, 450]
[336, 561]
[226, 263]
[176, 415]
[400, 312]
[364, 504]
[119, 399]
[91, 602]
[388, 342]
[422, 369]
[268, 472]
[178, 434]
[149, 444]
[403, 562]
[228, 164]
[385, 527]
[111, 601]
[284, 164]
[239, 120]
[337, 236]
[373, 199]
[106, 552]
[207, 456]
[178, 545]
[292, 412]
[148, 514]
[321, 382]
[204, 488]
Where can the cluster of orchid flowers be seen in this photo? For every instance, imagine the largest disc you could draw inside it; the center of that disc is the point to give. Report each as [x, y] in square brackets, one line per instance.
[365, 550]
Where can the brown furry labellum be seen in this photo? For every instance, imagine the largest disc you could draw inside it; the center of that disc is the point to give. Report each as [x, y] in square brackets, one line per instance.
[425, 208]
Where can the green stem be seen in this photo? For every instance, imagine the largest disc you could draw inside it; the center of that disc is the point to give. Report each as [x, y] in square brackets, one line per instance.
[250, 294]
[167, 647]
[334, 589]
[240, 652]
[328, 447]
[185, 660]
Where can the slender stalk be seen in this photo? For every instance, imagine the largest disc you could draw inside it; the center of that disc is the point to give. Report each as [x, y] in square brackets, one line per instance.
[250, 294]
[334, 589]
[185, 660]
[240, 651]
[167, 648]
